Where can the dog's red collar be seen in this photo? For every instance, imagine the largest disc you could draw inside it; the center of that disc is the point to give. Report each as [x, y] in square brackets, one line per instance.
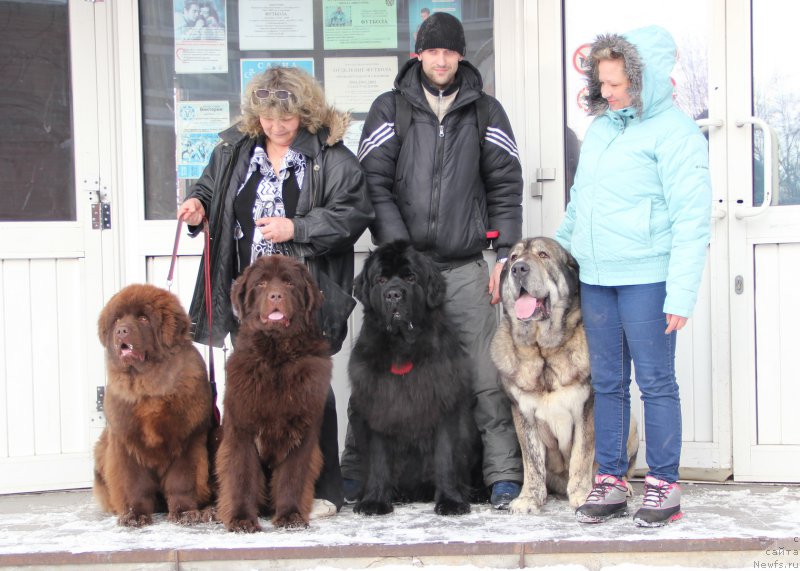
[402, 368]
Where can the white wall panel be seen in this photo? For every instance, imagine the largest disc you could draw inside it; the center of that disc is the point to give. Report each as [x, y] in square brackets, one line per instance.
[75, 394]
[45, 354]
[3, 369]
[777, 356]
[19, 388]
[789, 294]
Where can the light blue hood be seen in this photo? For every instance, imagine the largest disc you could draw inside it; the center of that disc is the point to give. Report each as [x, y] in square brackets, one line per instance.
[649, 56]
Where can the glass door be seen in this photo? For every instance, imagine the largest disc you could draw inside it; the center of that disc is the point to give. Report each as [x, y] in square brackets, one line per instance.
[763, 125]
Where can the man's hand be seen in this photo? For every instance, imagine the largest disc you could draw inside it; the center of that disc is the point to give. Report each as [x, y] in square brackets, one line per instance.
[675, 323]
[494, 283]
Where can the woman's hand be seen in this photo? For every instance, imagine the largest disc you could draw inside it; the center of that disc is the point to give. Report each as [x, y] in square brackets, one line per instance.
[191, 212]
[675, 323]
[276, 229]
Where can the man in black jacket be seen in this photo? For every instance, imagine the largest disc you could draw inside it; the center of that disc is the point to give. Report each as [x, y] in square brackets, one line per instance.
[451, 191]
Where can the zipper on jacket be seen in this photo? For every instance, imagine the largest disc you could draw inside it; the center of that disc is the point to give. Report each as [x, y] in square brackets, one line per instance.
[437, 188]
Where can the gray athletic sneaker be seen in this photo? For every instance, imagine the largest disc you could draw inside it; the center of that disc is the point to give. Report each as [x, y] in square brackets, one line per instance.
[608, 498]
[661, 504]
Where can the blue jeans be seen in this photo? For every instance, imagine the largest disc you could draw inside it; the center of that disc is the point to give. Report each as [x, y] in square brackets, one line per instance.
[624, 323]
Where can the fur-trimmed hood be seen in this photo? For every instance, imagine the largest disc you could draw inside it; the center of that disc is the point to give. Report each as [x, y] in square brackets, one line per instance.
[336, 122]
[649, 55]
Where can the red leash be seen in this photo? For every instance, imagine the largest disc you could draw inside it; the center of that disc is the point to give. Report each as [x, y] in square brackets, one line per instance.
[207, 281]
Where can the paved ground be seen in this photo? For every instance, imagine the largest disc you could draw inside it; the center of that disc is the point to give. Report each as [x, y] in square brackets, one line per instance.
[725, 526]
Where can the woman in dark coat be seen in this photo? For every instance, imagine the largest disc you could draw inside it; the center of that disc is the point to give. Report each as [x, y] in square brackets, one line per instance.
[282, 182]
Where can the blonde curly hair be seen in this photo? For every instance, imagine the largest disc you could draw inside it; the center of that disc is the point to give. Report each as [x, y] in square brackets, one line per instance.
[307, 100]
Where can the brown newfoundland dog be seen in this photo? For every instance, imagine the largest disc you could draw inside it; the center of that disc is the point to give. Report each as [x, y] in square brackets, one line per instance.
[276, 386]
[152, 453]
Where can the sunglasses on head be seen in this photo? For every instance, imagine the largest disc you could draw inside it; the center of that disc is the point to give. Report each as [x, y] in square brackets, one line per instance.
[279, 94]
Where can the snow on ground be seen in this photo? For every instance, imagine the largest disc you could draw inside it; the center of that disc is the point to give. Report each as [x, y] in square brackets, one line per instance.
[72, 522]
[626, 567]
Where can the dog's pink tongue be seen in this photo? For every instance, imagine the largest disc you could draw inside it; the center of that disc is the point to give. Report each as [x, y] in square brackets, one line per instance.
[525, 306]
[275, 316]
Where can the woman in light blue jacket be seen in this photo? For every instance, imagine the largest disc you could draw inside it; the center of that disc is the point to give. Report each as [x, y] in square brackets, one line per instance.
[638, 225]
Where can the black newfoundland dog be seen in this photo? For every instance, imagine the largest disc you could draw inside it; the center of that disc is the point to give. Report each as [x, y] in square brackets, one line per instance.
[411, 399]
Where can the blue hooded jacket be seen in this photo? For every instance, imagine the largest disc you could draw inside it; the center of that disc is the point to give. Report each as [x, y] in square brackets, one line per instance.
[640, 207]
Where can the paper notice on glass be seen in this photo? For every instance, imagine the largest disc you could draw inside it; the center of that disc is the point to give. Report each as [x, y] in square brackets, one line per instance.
[276, 25]
[197, 126]
[353, 136]
[201, 37]
[352, 84]
[253, 66]
[359, 24]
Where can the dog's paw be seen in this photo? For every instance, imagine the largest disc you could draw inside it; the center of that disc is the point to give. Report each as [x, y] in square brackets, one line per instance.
[373, 507]
[524, 505]
[132, 519]
[291, 520]
[451, 507]
[191, 517]
[243, 525]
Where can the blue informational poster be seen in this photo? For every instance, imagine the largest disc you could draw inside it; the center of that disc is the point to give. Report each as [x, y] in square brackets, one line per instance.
[251, 67]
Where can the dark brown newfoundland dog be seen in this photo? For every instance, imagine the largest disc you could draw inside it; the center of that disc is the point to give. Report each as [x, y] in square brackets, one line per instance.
[277, 382]
[411, 398]
[158, 411]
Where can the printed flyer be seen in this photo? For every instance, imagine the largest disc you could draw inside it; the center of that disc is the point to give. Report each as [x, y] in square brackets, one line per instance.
[359, 24]
[276, 25]
[197, 124]
[352, 84]
[201, 36]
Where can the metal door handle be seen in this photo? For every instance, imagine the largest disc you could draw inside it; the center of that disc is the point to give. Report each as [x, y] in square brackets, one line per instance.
[770, 168]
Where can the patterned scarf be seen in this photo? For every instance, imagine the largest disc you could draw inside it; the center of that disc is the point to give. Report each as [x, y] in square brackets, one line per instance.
[269, 194]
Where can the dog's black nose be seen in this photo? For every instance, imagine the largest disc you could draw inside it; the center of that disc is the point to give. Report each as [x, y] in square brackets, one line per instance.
[393, 295]
[520, 269]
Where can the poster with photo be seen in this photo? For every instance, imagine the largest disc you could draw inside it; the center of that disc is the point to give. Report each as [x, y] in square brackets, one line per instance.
[276, 25]
[197, 124]
[252, 66]
[201, 36]
[359, 24]
[352, 84]
[419, 10]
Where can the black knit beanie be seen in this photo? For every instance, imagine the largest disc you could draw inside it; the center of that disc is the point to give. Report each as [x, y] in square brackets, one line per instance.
[443, 31]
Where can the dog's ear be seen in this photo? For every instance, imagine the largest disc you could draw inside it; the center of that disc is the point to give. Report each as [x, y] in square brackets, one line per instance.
[106, 320]
[314, 298]
[169, 321]
[361, 283]
[239, 293]
[436, 285]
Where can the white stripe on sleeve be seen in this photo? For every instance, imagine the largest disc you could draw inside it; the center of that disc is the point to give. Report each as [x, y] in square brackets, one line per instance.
[376, 139]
